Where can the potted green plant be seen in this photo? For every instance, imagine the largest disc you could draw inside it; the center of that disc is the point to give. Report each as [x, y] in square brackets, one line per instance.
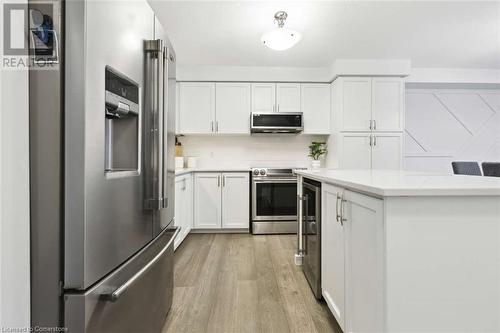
[316, 150]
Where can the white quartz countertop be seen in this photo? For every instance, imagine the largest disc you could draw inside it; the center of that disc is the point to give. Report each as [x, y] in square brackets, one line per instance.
[179, 172]
[394, 183]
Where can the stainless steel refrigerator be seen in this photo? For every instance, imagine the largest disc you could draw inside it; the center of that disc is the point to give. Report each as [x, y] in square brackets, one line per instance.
[102, 100]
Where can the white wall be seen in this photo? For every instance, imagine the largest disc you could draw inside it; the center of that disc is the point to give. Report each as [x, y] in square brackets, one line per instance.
[14, 198]
[445, 123]
[454, 75]
[249, 151]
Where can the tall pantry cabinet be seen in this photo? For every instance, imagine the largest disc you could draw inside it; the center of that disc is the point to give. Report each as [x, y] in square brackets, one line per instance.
[367, 123]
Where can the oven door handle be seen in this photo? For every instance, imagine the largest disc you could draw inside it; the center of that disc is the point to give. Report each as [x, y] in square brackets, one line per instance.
[275, 180]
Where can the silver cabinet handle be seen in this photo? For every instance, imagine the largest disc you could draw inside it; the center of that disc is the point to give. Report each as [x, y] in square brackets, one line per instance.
[212, 126]
[115, 295]
[371, 140]
[217, 126]
[374, 140]
[299, 223]
[342, 218]
[371, 127]
[337, 208]
[223, 181]
[305, 205]
[278, 108]
[218, 181]
[374, 124]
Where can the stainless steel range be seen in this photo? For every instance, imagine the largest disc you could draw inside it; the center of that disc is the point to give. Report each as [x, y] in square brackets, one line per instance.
[274, 201]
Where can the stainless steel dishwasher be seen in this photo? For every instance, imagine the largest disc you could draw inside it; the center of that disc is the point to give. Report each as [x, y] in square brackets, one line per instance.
[311, 234]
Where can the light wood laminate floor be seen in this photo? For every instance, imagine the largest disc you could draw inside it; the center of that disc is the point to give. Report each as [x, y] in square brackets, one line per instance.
[243, 283]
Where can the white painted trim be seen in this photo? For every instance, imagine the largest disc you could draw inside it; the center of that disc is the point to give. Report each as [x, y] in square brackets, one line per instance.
[370, 67]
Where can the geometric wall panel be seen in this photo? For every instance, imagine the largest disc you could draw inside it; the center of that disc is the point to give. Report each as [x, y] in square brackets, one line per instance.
[469, 108]
[431, 124]
[445, 125]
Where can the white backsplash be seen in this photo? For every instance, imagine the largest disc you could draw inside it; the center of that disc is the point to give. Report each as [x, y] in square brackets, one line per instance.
[250, 150]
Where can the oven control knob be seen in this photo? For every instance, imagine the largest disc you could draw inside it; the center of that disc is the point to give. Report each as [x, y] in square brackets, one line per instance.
[262, 172]
[256, 172]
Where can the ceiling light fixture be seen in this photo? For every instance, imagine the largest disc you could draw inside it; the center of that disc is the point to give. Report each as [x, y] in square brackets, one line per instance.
[281, 38]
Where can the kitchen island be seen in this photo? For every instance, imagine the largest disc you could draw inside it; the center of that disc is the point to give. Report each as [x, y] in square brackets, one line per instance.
[407, 251]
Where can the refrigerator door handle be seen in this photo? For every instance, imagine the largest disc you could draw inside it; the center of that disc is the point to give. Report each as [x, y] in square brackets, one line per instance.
[154, 86]
[115, 295]
[164, 102]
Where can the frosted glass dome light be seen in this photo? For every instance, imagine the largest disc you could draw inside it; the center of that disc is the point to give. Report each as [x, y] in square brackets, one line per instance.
[281, 38]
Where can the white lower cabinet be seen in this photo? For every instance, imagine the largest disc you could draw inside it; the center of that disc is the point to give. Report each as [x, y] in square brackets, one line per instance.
[235, 200]
[332, 249]
[387, 151]
[221, 200]
[364, 266]
[183, 206]
[352, 259]
[370, 151]
[355, 151]
[207, 200]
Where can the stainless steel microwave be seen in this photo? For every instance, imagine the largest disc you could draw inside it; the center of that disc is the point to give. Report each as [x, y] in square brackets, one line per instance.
[276, 122]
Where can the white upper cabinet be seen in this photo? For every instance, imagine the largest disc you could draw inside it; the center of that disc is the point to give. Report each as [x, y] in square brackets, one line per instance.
[315, 105]
[355, 151]
[225, 107]
[235, 200]
[370, 104]
[387, 104]
[288, 97]
[387, 151]
[207, 200]
[232, 108]
[332, 253]
[263, 97]
[196, 107]
[355, 103]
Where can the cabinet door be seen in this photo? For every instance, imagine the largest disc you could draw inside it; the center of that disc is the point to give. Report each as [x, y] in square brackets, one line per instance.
[263, 97]
[196, 107]
[288, 97]
[388, 103]
[315, 105]
[356, 104]
[179, 208]
[355, 150]
[387, 151]
[364, 262]
[332, 249]
[188, 206]
[207, 200]
[183, 207]
[232, 107]
[235, 200]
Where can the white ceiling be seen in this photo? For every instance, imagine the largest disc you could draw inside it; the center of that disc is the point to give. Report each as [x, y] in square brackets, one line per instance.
[462, 34]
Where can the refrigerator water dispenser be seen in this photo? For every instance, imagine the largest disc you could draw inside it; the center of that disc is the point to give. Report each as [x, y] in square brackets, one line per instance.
[122, 122]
